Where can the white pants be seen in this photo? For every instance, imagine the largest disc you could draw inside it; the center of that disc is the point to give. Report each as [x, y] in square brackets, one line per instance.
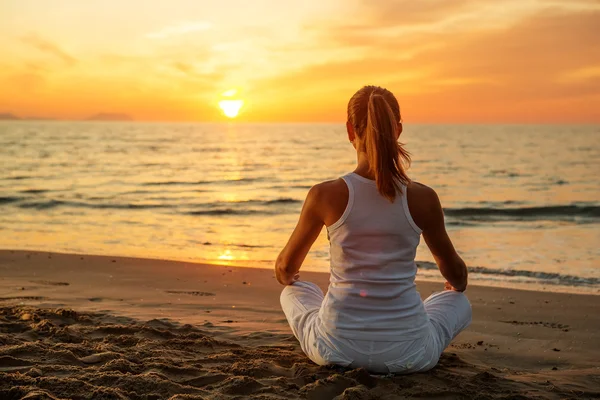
[449, 313]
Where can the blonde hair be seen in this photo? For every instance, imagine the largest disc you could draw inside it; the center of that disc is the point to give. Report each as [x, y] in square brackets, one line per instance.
[374, 114]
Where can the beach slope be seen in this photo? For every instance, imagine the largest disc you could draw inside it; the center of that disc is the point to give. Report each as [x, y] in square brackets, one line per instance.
[80, 326]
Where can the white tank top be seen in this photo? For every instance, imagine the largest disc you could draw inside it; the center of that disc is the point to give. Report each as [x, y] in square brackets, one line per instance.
[372, 293]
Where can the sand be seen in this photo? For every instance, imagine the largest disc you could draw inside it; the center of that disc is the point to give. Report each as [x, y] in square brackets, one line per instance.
[91, 327]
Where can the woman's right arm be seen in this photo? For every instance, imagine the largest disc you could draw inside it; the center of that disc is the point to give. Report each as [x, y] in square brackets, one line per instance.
[426, 210]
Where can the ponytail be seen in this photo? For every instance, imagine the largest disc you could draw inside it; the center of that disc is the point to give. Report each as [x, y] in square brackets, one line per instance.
[382, 147]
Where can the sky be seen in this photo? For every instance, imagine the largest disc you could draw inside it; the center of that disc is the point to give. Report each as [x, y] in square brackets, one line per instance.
[447, 61]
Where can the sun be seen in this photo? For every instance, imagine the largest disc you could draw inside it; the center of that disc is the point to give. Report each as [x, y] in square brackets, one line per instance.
[231, 107]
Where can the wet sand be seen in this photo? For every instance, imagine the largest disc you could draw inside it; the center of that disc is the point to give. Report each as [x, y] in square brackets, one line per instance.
[81, 326]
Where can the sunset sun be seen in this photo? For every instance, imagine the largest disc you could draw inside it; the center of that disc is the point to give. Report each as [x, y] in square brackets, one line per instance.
[231, 107]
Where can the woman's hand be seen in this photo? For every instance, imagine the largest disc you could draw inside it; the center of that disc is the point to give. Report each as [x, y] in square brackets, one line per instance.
[448, 286]
[286, 279]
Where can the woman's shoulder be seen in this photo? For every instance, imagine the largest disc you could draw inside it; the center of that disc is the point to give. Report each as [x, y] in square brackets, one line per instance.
[329, 198]
[423, 203]
[420, 191]
[329, 189]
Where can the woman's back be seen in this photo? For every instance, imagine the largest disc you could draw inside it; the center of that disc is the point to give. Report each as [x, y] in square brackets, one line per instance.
[372, 315]
[372, 294]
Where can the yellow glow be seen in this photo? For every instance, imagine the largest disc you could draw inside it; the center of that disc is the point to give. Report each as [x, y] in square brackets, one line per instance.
[230, 93]
[231, 108]
[176, 63]
[226, 256]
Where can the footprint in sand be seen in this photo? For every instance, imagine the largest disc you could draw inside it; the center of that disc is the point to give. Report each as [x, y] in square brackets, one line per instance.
[22, 298]
[190, 293]
[51, 283]
[552, 325]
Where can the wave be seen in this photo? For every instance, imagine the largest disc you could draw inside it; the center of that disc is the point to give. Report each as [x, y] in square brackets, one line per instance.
[506, 173]
[580, 214]
[283, 200]
[18, 178]
[217, 208]
[44, 205]
[551, 278]
[242, 207]
[239, 245]
[184, 183]
[264, 207]
[34, 191]
[563, 212]
[9, 199]
[168, 183]
[226, 211]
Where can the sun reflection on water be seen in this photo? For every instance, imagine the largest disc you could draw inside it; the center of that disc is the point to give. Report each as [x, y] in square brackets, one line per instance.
[226, 256]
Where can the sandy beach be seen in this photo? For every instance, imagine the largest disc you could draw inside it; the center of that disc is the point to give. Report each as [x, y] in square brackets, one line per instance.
[87, 327]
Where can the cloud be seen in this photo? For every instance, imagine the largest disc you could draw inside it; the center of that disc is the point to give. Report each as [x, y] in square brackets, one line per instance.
[184, 67]
[48, 47]
[540, 45]
[446, 60]
[583, 74]
[543, 67]
[191, 78]
[394, 12]
[180, 29]
[389, 24]
[385, 13]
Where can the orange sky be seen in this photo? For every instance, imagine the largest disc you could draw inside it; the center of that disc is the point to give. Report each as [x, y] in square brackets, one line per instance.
[170, 60]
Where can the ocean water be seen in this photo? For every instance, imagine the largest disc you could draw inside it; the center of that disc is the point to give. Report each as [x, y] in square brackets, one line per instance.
[522, 203]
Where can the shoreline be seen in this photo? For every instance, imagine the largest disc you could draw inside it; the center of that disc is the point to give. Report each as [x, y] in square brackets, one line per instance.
[547, 287]
[135, 267]
[220, 329]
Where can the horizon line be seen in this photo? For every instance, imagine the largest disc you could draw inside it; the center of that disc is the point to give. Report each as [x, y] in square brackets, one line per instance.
[226, 122]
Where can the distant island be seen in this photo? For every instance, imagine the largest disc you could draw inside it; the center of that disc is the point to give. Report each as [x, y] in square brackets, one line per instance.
[39, 119]
[8, 117]
[13, 117]
[110, 117]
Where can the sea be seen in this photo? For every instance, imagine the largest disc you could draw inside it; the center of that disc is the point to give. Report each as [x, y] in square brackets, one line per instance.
[521, 202]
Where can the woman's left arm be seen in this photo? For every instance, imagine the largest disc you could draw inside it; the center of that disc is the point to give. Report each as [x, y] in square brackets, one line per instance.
[306, 232]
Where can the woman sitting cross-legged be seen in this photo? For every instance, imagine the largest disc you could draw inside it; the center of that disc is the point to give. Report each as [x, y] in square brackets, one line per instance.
[372, 315]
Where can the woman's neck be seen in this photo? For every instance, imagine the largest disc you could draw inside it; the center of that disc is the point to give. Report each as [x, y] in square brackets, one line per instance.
[362, 166]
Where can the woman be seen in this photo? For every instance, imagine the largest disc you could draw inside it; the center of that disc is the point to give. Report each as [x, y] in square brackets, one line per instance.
[372, 315]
